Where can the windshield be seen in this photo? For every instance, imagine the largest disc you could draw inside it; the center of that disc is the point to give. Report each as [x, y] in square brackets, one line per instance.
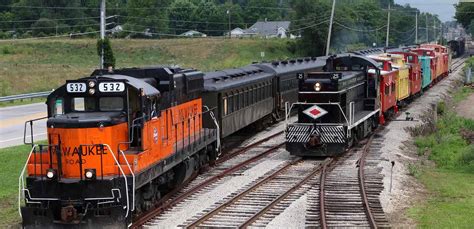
[94, 104]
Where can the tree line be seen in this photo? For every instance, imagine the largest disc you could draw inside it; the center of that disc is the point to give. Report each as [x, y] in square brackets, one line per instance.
[357, 23]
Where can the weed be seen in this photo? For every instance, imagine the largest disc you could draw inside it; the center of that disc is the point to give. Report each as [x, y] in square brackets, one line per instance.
[413, 170]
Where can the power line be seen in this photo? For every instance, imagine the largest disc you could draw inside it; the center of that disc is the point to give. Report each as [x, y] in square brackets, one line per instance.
[359, 30]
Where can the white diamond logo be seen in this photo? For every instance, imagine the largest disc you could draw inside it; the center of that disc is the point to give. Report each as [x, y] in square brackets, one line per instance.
[315, 112]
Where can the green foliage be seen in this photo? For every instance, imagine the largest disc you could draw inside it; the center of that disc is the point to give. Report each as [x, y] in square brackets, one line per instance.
[451, 200]
[465, 13]
[13, 158]
[109, 59]
[471, 27]
[413, 170]
[448, 147]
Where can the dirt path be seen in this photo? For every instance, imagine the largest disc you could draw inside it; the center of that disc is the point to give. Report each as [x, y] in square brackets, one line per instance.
[466, 107]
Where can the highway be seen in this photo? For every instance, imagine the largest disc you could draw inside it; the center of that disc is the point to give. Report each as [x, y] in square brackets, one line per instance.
[12, 122]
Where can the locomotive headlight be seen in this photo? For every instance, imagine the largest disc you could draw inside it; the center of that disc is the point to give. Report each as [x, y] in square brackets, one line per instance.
[92, 91]
[90, 174]
[317, 87]
[51, 174]
[91, 83]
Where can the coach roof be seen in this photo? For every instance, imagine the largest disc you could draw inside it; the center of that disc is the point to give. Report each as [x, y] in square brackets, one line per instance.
[233, 78]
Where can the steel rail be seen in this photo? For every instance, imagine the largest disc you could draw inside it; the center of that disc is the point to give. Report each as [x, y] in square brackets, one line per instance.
[365, 200]
[212, 213]
[24, 96]
[286, 194]
[322, 207]
[150, 215]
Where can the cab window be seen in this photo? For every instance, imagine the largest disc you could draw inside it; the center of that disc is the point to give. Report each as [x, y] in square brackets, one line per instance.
[83, 104]
[111, 104]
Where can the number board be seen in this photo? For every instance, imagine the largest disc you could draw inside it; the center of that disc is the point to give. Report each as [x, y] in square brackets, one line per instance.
[111, 87]
[76, 87]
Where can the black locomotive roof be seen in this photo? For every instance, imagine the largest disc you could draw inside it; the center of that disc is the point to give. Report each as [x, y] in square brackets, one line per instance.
[350, 61]
[232, 78]
[293, 66]
[148, 89]
[135, 83]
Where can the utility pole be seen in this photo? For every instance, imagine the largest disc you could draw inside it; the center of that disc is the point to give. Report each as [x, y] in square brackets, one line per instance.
[102, 32]
[416, 28]
[427, 32]
[230, 30]
[434, 30]
[328, 42]
[388, 26]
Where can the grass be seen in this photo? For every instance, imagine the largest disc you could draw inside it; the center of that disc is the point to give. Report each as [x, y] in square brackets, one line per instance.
[451, 182]
[11, 161]
[451, 204]
[41, 65]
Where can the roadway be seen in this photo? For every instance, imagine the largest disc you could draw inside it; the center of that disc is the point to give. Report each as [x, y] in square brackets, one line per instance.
[12, 122]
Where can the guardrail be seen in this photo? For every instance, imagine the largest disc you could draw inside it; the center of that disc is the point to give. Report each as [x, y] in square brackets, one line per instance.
[24, 96]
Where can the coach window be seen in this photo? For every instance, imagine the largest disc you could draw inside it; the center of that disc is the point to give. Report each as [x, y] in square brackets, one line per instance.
[225, 105]
[393, 88]
[387, 89]
[231, 103]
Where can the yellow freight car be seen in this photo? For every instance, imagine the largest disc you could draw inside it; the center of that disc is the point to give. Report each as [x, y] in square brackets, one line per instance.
[403, 78]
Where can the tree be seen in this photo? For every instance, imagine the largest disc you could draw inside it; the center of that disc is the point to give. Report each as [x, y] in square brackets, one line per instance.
[147, 14]
[471, 27]
[109, 59]
[464, 13]
[259, 10]
[181, 16]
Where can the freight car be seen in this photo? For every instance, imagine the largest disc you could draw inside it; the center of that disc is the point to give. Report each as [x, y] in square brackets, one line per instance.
[336, 107]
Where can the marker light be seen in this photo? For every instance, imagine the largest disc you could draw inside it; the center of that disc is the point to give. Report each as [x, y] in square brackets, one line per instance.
[92, 91]
[51, 173]
[317, 87]
[90, 174]
[91, 83]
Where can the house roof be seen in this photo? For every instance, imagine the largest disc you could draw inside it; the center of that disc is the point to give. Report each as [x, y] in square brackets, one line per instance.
[268, 28]
[192, 32]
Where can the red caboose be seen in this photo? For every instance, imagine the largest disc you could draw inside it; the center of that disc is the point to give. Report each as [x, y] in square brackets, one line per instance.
[415, 71]
[388, 99]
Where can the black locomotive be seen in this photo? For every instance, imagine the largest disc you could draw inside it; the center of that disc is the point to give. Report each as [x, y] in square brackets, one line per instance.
[336, 107]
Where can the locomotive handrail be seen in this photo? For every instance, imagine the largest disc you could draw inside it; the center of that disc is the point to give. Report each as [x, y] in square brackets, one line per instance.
[31, 130]
[21, 184]
[133, 178]
[124, 176]
[217, 126]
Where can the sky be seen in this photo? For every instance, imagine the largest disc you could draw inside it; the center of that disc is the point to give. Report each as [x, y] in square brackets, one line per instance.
[443, 8]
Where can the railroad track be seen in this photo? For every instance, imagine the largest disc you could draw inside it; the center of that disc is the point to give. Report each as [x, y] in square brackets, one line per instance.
[224, 166]
[347, 193]
[458, 62]
[259, 203]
